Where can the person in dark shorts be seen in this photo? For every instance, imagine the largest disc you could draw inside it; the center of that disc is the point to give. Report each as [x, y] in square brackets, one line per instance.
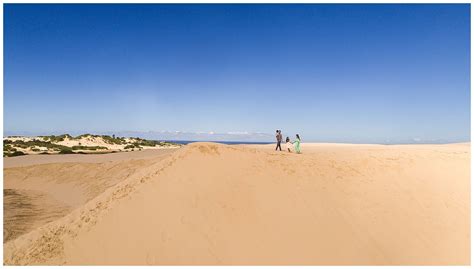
[279, 137]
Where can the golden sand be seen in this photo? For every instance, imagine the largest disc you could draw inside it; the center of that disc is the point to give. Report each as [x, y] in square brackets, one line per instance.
[210, 204]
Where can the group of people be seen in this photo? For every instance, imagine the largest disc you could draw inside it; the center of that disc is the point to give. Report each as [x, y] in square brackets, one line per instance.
[289, 144]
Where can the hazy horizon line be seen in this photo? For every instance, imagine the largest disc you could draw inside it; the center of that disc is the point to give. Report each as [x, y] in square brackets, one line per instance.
[234, 136]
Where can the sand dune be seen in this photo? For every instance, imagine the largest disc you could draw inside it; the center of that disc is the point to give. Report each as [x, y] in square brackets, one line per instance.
[29, 160]
[40, 188]
[209, 203]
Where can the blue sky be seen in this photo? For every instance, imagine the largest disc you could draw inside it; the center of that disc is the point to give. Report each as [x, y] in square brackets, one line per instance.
[332, 73]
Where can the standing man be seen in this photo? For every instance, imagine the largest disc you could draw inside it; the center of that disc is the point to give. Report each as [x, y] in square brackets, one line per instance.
[279, 137]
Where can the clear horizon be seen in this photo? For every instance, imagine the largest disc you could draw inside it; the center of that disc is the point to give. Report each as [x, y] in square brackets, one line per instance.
[353, 73]
[227, 137]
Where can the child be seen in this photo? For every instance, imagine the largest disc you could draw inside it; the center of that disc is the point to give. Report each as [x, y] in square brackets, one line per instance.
[288, 144]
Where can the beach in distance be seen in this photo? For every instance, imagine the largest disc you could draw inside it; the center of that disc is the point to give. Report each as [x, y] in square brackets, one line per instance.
[214, 204]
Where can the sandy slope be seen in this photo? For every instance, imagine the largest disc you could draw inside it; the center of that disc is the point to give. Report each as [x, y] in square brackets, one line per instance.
[41, 188]
[28, 160]
[214, 204]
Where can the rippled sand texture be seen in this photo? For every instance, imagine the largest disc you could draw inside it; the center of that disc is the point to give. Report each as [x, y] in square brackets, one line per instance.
[40, 189]
[26, 210]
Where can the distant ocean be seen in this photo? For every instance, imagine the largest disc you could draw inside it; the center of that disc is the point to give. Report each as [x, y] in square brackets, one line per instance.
[185, 142]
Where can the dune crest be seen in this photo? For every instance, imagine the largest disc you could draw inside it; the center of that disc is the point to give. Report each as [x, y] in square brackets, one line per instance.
[45, 244]
[209, 203]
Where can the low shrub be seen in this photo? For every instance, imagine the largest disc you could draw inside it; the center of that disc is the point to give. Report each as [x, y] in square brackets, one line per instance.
[66, 151]
[8, 147]
[38, 143]
[56, 138]
[112, 140]
[15, 153]
[88, 148]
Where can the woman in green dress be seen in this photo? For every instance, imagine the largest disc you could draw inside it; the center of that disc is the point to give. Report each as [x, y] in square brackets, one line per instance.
[297, 144]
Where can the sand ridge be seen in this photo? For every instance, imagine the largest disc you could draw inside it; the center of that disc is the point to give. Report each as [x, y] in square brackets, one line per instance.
[45, 243]
[209, 203]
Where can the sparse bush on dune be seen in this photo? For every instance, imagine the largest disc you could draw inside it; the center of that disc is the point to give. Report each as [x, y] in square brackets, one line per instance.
[146, 143]
[88, 147]
[66, 151]
[167, 144]
[21, 145]
[107, 138]
[111, 140]
[137, 141]
[9, 151]
[137, 145]
[56, 138]
[83, 136]
[153, 143]
[11, 146]
[36, 143]
[8, 147]
[50, 143]
[13, 154]
[132, 146]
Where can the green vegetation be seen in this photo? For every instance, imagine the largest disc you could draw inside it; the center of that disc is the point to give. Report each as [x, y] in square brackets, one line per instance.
[149, 143]
[56, 138]
[33, 143]
[13, 154]
[153, 143]
[129, 147]
[163, 143]
[146, 143]
[107, 138]
[85, 135]
[8, 147]
[11, 147]
[66, 151]
[88, 148]
[113, 140]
